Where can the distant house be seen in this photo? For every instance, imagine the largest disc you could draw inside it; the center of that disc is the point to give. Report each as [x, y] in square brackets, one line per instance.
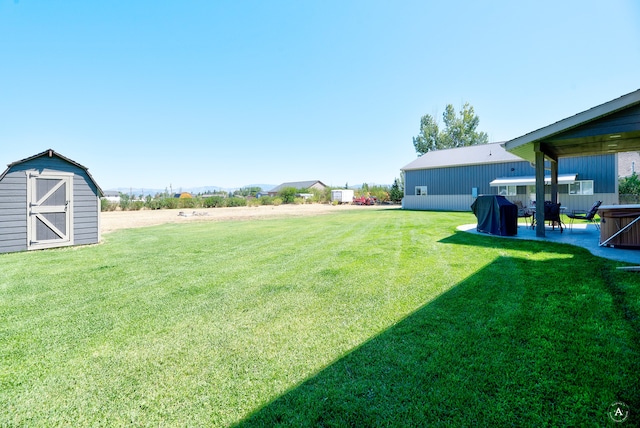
[628, 163]
[314, 184]
[451, 179]
[112, 196]
[47, 201]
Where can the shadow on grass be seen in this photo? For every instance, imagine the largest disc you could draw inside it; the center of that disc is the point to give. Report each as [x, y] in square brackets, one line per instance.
[489, 241]
[514, 344]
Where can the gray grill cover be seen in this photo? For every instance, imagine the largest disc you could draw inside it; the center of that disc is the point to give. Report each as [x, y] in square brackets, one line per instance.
[496, 215]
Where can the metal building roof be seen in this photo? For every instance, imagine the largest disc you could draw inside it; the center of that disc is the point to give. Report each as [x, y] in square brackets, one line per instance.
[460, 156]
[297, 185]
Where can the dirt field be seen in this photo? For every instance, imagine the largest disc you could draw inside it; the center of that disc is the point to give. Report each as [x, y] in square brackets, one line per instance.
[114, 220]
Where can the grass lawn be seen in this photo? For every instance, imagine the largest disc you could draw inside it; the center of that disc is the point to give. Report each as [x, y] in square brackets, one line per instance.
[358, 318]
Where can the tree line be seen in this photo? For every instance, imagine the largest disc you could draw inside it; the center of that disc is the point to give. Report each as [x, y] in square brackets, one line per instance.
[247, 196]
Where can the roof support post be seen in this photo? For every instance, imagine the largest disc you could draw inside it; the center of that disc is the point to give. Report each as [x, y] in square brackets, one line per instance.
[554, 182]
[539, 191]
[550, 154]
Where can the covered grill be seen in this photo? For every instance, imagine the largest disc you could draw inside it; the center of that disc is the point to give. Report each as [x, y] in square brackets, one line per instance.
[496, 215]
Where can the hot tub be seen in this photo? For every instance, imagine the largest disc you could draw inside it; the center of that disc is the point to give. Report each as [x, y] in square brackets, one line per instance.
[620, 225]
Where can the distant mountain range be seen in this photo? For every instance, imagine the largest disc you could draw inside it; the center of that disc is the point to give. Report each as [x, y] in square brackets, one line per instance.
[136, 191]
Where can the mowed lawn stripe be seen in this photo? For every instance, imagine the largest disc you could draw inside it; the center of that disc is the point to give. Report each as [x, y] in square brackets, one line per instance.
[204, 324]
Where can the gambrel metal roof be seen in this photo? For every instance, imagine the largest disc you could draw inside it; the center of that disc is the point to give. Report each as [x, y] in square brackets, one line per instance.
[51, 153]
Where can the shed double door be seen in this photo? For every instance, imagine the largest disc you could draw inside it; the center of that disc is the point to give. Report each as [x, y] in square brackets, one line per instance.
[49, 210]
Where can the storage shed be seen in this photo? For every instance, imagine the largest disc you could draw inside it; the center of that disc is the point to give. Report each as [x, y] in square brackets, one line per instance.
[46, 201]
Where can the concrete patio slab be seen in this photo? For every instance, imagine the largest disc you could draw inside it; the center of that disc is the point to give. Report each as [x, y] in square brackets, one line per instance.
[581, 235]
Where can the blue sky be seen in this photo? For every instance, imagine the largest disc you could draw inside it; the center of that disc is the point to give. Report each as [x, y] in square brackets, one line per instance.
[230, 93]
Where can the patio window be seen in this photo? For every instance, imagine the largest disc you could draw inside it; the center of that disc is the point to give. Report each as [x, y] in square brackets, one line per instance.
[507, 190]
[421, 190]
[581, 187]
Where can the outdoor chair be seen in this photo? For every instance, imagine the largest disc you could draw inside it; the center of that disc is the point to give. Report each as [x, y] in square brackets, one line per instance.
[585, 215]
[523, 212]
[552, 214]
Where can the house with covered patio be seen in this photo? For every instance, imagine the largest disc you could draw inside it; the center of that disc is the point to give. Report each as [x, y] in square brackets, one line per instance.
[574, 159]
[612, 127]
[451, 179]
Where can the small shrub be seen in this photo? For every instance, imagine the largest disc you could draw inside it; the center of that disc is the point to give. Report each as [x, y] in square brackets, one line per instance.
[288, 194]
[154, 204]
[186, 203]
[125, 200]
[214, 202]
[266, 200]
[298, 201]
[169, 203]
[277, 201]
[106, 205]
[136, 205]
[236, 202]
[320, 196]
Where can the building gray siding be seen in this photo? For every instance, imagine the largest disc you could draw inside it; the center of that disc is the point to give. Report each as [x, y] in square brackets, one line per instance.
[86, 209]
[438, 202]
[602, 169]
[460, 180]
[13, 203]
[13, 209]
[450, 188]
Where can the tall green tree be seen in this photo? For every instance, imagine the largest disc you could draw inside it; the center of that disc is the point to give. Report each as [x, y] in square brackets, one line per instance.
[397, 191]
[629, 185]
[459, 131]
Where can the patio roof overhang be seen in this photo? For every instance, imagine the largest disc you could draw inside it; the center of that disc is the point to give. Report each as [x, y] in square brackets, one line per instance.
[612, 127]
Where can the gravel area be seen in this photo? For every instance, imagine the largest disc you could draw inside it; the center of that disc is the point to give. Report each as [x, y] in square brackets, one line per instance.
[115, 220]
